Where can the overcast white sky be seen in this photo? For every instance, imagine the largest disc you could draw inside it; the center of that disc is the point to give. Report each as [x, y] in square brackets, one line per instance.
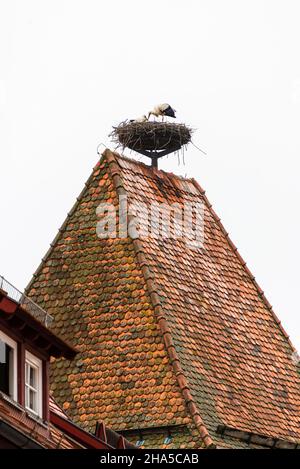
[71, 69]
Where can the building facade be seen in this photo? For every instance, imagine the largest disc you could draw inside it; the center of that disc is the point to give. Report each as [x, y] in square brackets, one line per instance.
[29, 415]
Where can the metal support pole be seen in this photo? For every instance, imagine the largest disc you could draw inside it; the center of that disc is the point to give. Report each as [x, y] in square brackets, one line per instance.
[154, 162]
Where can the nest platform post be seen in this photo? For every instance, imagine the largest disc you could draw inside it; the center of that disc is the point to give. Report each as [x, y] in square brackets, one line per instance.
[155, 155]
[152, 139]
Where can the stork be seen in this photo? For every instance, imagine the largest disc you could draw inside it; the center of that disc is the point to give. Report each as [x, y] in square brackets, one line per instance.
[139, 120]
[162, 110]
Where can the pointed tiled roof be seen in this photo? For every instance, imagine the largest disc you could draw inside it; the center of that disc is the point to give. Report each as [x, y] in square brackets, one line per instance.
[168, 335]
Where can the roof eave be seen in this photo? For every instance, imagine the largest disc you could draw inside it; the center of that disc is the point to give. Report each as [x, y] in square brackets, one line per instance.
[14, 313]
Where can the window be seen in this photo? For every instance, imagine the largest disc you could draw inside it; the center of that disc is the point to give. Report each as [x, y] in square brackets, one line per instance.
[168, 440]
[8, 366]
[33, 384]
[140, 442]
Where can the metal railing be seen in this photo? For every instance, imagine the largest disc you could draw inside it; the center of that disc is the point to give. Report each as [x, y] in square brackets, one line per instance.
[36, 311]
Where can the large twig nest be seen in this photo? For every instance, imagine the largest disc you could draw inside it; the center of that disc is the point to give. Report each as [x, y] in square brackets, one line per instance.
[151, 136]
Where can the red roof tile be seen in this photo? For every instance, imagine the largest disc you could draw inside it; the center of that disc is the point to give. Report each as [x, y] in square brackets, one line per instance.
[34, 431]
[167, 334]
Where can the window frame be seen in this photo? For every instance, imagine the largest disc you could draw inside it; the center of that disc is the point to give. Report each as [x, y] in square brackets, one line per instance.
[37, 363]
[13, 374]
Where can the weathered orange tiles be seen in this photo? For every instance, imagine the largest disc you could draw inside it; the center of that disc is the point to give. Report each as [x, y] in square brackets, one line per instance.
[168, 335]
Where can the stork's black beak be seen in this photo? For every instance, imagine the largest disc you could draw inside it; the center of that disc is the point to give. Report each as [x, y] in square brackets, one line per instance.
[169, 113]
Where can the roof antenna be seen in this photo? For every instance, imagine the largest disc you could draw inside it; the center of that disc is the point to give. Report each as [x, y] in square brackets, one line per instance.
[100, 144]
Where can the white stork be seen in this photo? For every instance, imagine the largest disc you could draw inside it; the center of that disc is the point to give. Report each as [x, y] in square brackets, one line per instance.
[162, 110]
[139, 119]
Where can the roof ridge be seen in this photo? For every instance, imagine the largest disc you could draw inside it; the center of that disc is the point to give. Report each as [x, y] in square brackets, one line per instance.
[149, 168]
[243, 263]
[62, 227]
[116, 172]
[106, 152]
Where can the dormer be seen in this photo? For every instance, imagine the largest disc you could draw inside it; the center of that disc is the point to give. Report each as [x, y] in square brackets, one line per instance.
[26, 346]
[30, 418]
